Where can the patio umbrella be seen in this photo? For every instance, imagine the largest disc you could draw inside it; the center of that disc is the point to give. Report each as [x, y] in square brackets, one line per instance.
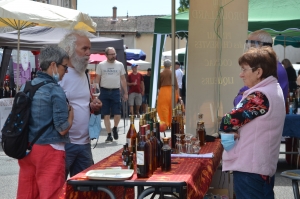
[135, 54]
[96, 59]
[20, 14]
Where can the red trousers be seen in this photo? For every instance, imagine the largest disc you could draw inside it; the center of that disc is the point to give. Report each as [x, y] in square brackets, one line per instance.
[42, 173]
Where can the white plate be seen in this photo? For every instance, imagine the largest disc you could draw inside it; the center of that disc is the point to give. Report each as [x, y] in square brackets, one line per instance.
[109, 174]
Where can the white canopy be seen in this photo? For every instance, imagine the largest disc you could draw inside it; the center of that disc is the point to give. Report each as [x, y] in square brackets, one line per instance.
[168, 54]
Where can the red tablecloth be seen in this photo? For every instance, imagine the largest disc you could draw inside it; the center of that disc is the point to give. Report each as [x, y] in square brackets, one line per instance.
[196, 172]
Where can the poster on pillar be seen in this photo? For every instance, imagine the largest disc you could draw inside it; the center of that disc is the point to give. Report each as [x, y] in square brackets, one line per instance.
[217, 33]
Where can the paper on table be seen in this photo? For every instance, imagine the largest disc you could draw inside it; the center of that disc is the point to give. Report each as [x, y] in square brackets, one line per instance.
[185, 155]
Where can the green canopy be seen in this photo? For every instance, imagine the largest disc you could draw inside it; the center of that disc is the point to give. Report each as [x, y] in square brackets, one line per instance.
[287, 41]
[278, 17]
[162, 25]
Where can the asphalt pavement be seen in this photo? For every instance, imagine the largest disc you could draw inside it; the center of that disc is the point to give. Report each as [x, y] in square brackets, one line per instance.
[9, 167]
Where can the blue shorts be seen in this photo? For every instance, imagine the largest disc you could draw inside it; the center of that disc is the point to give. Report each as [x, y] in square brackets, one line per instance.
[145, 99]
[111, 101]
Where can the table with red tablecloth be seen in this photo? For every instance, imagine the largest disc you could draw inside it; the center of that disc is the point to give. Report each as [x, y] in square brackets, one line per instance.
[191, 177]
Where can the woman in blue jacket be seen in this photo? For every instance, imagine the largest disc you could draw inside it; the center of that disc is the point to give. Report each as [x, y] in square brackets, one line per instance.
[42, 171]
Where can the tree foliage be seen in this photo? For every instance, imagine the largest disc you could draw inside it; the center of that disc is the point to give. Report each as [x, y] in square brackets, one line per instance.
[184, 6]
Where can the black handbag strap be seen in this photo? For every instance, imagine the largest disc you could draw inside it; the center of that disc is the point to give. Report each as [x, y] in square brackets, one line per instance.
[40, 133]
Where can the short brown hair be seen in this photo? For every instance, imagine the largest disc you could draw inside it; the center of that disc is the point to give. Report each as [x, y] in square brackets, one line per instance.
[286, 63]
[264, 58]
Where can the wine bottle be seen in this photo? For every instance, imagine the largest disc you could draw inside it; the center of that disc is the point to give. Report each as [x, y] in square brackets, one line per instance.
[159, 142]
[32, 73]
[151, 150]
[131, 136]
[138, 136]
[7, 90]
[166, 155]
[130, 163]
[174, 129]
[127, 153]
[180, 119]
[142, 155]
[153, 141]
[124, 155]
[201, 130]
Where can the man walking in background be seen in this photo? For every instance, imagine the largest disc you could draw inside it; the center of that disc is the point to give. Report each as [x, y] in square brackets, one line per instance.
[179, 75]
[76, 87]
[147, 80]
[110, 74]
[136, 90]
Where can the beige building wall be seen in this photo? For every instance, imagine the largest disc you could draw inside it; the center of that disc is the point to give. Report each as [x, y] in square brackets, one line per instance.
[145, 42]
[73, 4]
[64, 3]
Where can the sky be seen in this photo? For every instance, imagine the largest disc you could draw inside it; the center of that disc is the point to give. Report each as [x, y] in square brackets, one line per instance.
[133, 7]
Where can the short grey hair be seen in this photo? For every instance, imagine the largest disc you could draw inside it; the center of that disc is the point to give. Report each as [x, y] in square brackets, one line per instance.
[68, 43]
[167, 63]
[50, 54]
[109, 48]
[262, 35]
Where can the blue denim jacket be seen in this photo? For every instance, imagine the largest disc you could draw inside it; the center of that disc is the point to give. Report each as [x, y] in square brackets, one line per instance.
[48, 106]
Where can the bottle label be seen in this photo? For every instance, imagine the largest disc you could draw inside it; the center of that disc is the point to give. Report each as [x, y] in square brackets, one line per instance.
[140, 158]
[128, 141]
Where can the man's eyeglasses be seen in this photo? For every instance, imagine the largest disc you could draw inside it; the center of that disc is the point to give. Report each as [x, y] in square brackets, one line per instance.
[65, 66]
[113, 54]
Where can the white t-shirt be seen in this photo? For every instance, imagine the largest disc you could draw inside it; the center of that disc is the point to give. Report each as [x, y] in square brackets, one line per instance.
[77, 91]
[110, 74]
[179, 75]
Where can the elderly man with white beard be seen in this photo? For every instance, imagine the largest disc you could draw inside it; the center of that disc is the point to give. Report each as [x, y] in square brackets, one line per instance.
[76, 87]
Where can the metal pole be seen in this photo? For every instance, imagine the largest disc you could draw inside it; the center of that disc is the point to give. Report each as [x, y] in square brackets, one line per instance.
[18, 59]
[173, 53]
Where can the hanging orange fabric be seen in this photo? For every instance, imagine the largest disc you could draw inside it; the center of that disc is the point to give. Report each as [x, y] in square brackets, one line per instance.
[164, 104]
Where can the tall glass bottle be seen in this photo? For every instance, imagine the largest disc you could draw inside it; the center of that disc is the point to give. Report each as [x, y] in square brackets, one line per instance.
[166, 155]
[174, 128]
[138, 136]
[33, 73]
[153, 141]
[142, 154]
[201, 129]
[151, 149]
[131, 136]
[180, 119]
[124, 155]
[130, 162]
[6, 89]
[157, 137]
